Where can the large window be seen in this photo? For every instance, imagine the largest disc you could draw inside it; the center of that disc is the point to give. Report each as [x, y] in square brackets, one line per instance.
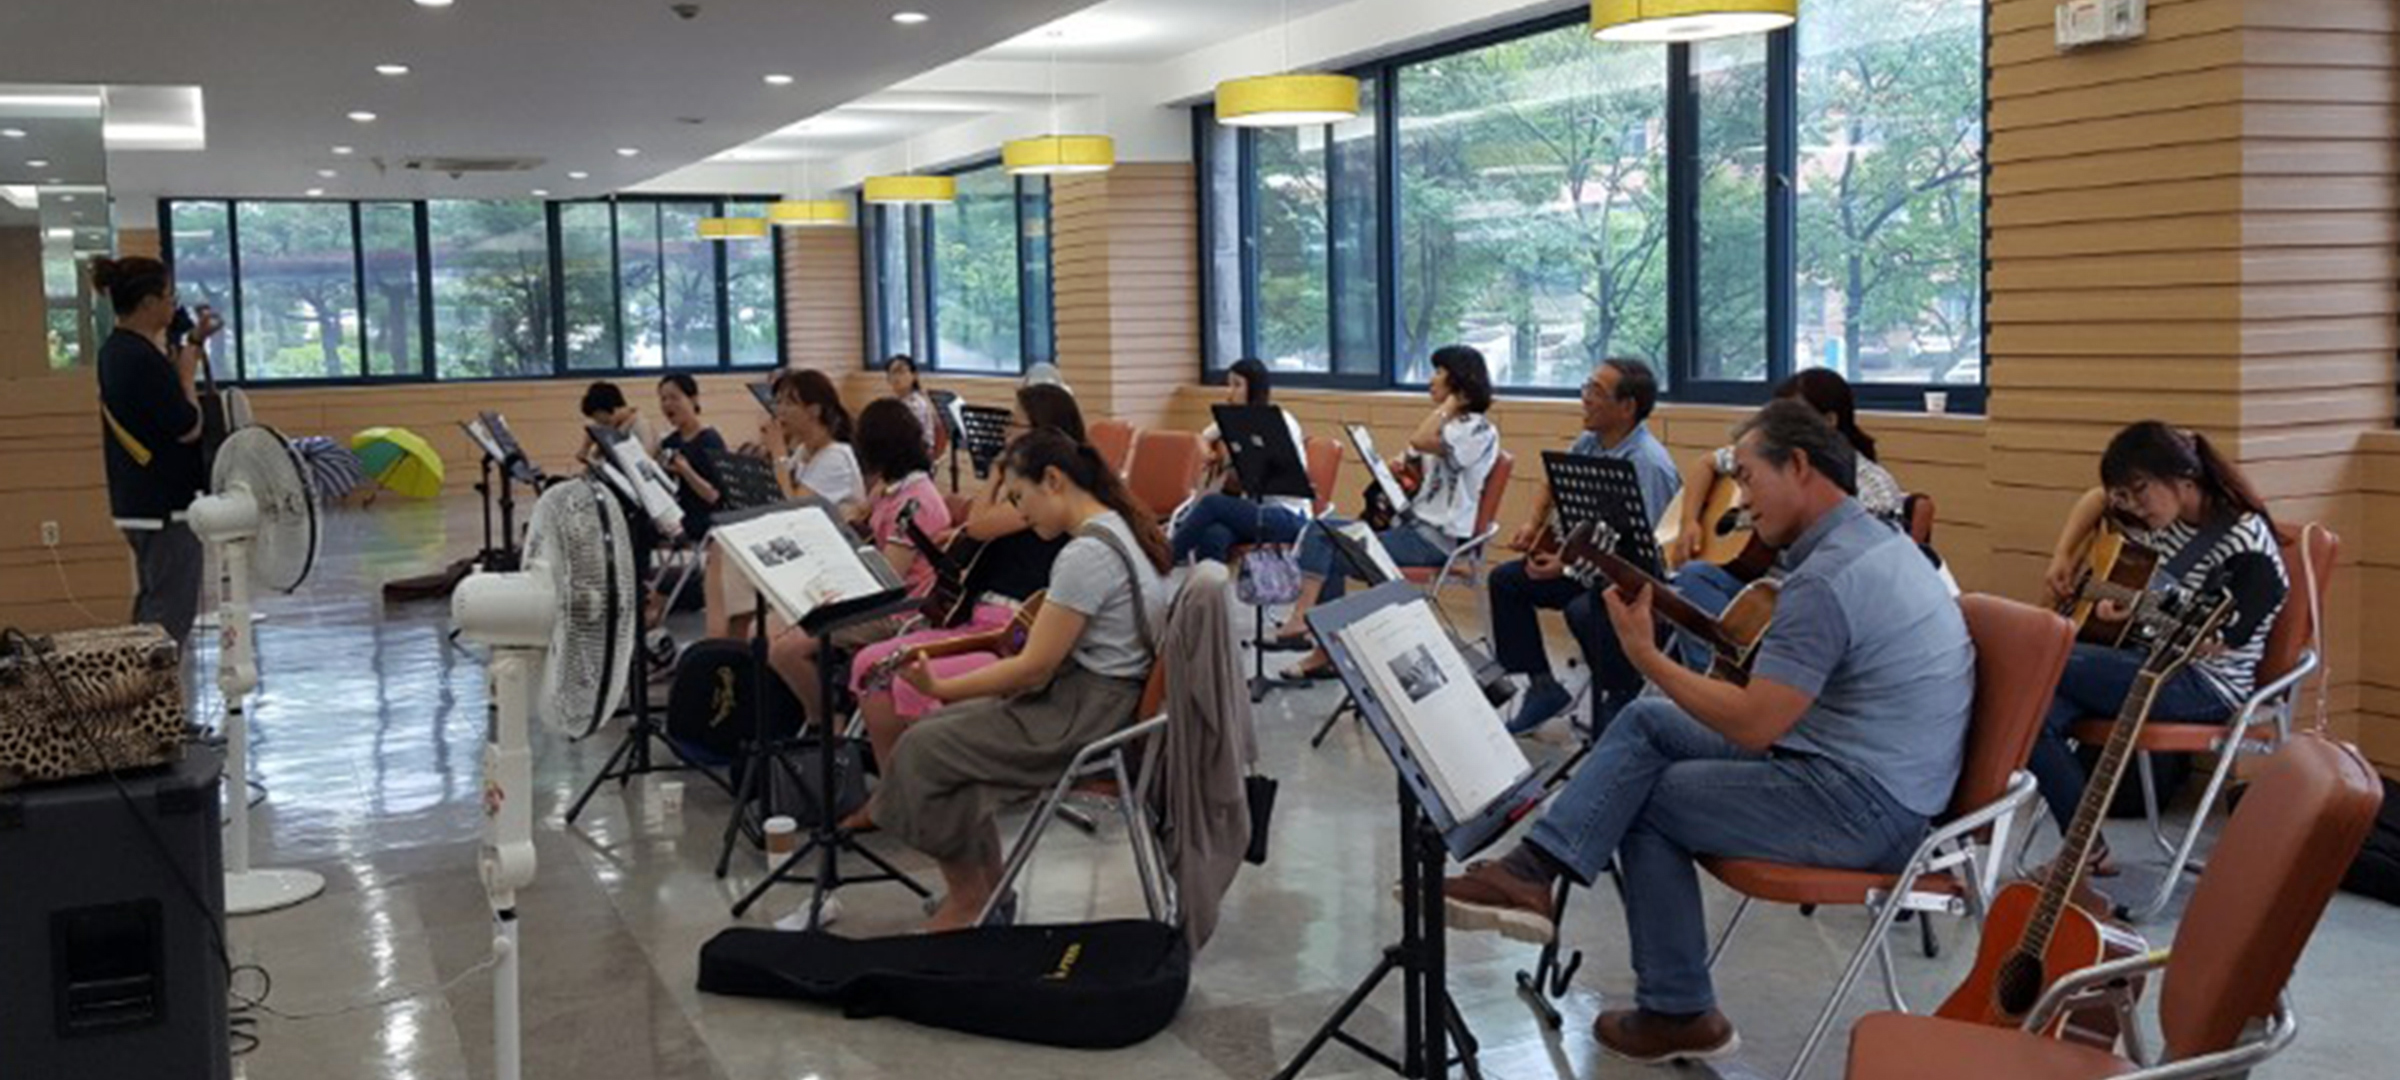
[1891, 190]
[458, 289]
[1730, 210]
[964, 286]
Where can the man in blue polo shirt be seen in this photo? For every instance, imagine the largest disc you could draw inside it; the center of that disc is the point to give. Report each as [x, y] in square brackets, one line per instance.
[1844, 743]
[1617, 400]
[150, 435]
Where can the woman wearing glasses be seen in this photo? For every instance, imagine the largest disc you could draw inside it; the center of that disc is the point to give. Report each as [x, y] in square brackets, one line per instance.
[2170, 491]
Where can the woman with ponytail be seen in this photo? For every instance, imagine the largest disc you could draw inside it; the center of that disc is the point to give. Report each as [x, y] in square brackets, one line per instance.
[1078, 678]
[2168, 490]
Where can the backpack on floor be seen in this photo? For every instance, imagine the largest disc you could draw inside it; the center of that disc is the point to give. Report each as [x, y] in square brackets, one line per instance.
[2376, 872]
[1092, 986]
[708, 708]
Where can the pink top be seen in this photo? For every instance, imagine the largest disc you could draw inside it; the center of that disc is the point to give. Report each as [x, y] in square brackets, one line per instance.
[932, 519]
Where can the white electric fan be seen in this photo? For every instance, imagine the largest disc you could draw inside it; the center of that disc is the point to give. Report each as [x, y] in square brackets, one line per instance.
[561, 634]
[261, 524]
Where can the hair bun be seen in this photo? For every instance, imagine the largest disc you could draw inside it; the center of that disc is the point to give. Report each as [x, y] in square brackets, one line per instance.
[107, 273]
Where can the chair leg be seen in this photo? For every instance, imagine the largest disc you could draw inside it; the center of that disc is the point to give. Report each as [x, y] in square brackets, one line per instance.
[1927, 943]
[1874, 942]
[1022, 852]
[1725, 936]
[2180, 856]
[1891, 975]
[2158, 834]
[1133, 834]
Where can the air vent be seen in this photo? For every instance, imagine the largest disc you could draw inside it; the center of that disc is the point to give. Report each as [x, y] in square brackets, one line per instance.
[460, 166]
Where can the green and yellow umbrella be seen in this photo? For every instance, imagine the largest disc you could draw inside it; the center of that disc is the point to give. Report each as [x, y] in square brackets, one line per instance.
[400, 460]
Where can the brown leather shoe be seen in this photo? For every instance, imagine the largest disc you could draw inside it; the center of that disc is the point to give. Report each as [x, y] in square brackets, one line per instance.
[1490, 897]
[1646, 1038]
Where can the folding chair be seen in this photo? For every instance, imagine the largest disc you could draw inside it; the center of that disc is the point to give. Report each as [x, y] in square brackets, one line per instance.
[1114, 440]
[1465, 564]
[2019, 652]
[2230, 966]
[1112, 759]
[1166, 467]
[2261, 725]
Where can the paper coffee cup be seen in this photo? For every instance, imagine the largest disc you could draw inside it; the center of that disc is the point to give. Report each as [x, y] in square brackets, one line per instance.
[783, 837]
[670, 796]
[1937, 401]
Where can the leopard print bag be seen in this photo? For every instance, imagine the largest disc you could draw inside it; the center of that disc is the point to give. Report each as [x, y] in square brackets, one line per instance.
[86, 702]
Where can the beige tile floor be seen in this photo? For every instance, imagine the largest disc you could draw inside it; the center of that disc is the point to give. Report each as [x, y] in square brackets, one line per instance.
[368, 736]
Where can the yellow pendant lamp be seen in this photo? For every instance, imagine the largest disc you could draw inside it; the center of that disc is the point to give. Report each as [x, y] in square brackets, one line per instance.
[909, 188]
[808, 213]
[1293, 99]
[733, 228]
[1058, 155]
[1667, 21]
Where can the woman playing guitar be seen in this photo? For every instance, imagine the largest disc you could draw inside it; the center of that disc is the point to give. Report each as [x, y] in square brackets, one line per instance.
[1009, 565]
[1218, 518]
[2177, 496]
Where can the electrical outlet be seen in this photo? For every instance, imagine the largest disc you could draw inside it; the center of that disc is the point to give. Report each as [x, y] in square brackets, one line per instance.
[50, 534]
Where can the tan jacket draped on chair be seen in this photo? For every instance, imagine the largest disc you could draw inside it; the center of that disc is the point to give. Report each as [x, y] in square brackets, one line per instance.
[1205, 752]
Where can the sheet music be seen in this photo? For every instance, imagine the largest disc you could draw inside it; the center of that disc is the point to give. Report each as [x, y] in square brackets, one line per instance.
[634, 474]
[798, 558]
[483, 440]
[1365, 444]
[1358, 530]
[1432, 698]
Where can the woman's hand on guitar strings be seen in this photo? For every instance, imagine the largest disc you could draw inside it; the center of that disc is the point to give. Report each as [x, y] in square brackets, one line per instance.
[2060, 578]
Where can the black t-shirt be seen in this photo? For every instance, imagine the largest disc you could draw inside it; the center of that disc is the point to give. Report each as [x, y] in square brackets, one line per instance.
[701, 450]
[1016, 566]
[152, 472]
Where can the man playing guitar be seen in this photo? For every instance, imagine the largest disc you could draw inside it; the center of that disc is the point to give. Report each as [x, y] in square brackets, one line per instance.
[1846, 738]
[1617, 400]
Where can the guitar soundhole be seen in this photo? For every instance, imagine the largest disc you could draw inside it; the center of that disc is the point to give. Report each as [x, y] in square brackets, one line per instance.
[2018, 984]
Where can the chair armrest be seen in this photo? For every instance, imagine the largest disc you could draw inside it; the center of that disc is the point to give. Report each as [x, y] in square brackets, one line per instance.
[2282, 1027]
[2264, 696]
[2021, 790]
[2081, 979]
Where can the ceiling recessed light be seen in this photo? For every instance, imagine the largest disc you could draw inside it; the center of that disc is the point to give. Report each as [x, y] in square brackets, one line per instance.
[541, 193]
[12, 133]
[779, 80]
[363, 116]
[909, 18]
[66, 198]
[579, 174]
[629, 151]
[326, 174]
[433, 3]
[38, 163]
[342, 151]
[391, 69]
[315, 191]
[56, 181]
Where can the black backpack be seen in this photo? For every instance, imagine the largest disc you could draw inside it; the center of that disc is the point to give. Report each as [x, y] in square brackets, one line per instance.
[1091, 986]
[2376, 872]
[708, 708]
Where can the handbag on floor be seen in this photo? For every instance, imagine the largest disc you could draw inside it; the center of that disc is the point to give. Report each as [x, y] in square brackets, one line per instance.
[1092, 986]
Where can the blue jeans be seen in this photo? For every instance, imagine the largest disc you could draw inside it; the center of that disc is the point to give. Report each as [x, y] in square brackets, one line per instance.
[1711, 589]
[1517, 601]
[1407, 544]
[1217, 522]
[2095, 684]
[1661, 789]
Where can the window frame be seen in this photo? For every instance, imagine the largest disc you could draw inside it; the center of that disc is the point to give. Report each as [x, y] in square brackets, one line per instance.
[919, 241]
[1681, 109]
[426, 369]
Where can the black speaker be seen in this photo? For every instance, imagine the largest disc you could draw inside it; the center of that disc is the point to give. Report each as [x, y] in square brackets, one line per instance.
[112, 968]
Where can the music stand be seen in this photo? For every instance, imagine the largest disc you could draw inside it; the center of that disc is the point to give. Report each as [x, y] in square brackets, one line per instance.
[746, 482]
[945, 408]
[827, 838]
[985, 431]
[1268, 465]
[1430, 833]
[1366, 562]
[1606, 492]
[1363, 442]
[763, 392]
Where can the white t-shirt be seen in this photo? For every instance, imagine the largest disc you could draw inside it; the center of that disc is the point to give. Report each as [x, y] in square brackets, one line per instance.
[832, 473]
[1291, 423]
[1452, 493]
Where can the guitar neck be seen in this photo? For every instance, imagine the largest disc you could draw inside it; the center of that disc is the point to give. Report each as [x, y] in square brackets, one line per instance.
[2098, 793]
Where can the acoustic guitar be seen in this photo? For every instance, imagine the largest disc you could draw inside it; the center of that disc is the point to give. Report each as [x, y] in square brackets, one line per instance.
[951, 601]
[1732, 636]
[1727, 537]
[1376, 509]
[1004, 641]
[2116, 569]
[2033, 936]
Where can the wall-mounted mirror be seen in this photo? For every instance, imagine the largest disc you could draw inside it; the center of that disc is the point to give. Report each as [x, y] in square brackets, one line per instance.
[55, 218]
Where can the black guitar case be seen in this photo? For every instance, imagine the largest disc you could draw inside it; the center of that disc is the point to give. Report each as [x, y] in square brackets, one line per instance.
[1088, 986]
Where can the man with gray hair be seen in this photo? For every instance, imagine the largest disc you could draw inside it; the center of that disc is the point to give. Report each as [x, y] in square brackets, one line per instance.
[1844, 743]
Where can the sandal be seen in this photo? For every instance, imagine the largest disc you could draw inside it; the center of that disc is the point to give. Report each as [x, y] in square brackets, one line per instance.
[1309, 672]
[1300, 642]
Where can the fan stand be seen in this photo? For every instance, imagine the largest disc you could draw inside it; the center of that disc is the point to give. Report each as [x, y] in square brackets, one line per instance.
[827, 840]
[248, 890]
[507, 862]
[632, 757]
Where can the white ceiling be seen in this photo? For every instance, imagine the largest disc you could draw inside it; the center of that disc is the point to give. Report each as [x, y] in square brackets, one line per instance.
[563, 81]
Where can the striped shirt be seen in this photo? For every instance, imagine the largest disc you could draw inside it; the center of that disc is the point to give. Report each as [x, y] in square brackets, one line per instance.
[1878, 490]
[2253, 564]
